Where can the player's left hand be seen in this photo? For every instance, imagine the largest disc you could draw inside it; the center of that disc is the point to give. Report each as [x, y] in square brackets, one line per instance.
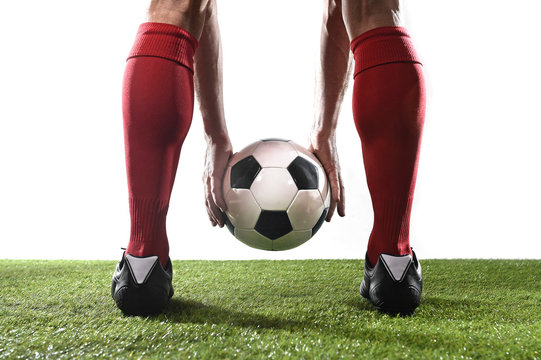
[216, 158]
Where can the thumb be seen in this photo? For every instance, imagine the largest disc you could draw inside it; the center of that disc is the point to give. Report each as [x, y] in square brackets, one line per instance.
[217, 193]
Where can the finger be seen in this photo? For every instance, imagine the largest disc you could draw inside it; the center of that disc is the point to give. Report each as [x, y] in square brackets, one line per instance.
[217, 214]
[214, 210]
[209, 203]
[216, 181]
[342, 200]
[335, 192]
[217, 194]
[209, 213]
[210, 216]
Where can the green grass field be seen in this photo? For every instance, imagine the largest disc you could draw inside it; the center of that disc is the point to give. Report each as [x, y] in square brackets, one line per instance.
[482, 309]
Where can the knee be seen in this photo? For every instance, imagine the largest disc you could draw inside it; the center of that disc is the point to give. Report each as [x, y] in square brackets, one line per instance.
[188, 14]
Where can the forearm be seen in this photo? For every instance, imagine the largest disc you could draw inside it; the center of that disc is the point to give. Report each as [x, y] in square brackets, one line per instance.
[333, 70]
[208, 78]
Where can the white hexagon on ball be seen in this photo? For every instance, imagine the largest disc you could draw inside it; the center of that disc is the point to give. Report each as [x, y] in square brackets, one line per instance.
[291, 240]
[242, 209]
[305, 210]
[266, 154]
[274, 189]
[253, 239]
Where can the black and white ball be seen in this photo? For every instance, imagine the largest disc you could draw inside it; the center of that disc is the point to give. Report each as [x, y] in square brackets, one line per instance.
[277, 195]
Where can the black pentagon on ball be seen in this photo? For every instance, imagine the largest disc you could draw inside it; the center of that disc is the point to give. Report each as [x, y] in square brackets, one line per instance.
[244, 172]
[304, 173]
[320, 221]
[273, 224]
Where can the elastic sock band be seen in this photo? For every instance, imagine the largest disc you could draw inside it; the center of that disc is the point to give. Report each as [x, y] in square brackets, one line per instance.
[166, 41]
[382, 46]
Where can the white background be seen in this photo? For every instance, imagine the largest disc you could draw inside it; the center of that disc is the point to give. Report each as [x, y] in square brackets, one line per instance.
[63, 190]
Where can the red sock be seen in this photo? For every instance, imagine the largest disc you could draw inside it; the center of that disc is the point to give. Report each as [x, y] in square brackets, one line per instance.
[157, 103]
[389, 108]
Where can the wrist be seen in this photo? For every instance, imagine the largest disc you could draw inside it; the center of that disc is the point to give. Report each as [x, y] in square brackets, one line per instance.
[320, 133]
[325, 123]
[218, 137]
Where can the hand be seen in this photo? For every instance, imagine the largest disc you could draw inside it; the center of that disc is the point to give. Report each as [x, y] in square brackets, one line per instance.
[218, 152]
[324, 147]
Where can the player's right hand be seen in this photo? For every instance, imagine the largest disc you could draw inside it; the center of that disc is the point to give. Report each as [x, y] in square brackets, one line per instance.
[216, 158]
[324, 147]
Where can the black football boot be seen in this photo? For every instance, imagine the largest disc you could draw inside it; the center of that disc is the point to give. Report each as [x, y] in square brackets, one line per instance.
[141, 286]
[394, 285]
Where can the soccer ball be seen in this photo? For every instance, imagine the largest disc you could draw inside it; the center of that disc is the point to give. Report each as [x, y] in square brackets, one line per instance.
[277, 195]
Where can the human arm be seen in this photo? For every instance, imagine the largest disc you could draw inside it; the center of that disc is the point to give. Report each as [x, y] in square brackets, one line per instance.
[209, 89]
[332, 78]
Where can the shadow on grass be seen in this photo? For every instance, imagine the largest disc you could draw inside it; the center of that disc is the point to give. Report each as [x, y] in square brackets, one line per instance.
[365, 323]
[181, 310]
[364, 305]
[188, 311]
[360, 303]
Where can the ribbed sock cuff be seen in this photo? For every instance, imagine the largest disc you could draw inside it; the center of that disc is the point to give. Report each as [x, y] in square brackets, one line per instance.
[394, 218]
[148, 218]
[166, 41]
[382, 45]
[390, 233]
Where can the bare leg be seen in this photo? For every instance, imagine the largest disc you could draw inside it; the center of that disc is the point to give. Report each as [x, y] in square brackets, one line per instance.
[188, 14]
[361, 16]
